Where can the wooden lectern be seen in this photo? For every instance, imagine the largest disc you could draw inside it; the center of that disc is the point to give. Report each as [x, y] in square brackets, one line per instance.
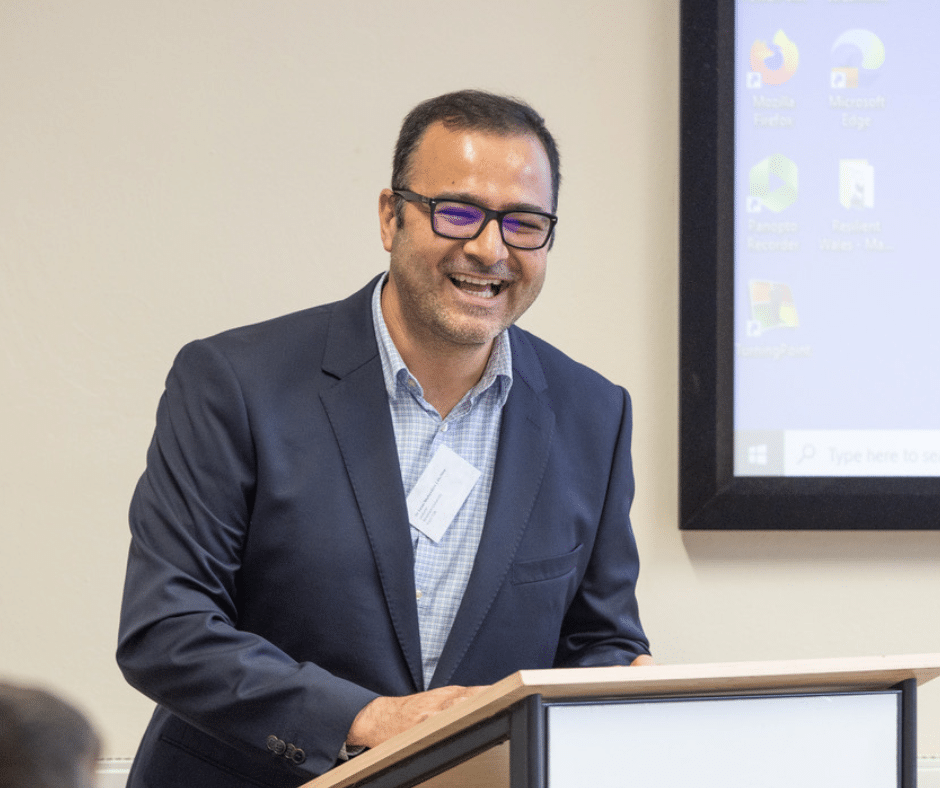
[808, 723]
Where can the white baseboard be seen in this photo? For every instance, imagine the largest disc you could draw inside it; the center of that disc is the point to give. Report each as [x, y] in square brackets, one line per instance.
[112, 772]
[928, 772]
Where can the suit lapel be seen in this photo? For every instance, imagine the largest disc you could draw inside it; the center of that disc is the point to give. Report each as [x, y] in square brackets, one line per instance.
[357, 407]
[526, 431]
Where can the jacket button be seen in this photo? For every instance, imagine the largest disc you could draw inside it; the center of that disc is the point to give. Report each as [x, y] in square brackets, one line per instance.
[295, 755]
[275, 745]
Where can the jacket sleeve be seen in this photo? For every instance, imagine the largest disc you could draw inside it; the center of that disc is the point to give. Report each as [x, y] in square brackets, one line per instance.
[179, 641]
[602, 624]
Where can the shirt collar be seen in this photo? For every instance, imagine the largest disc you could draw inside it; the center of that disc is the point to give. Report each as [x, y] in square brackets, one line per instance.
[498, 368]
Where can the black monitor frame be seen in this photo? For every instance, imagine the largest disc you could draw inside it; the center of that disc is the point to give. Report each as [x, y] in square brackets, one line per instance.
[711, 496]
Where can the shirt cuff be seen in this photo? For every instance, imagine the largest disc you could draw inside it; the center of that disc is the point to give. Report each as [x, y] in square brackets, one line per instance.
[350, 751]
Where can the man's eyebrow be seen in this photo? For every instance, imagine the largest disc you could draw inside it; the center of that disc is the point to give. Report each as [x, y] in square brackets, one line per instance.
[463, 197]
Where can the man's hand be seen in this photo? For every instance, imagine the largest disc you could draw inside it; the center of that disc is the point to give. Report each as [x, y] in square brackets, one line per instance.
[385, 717]
[643, 659]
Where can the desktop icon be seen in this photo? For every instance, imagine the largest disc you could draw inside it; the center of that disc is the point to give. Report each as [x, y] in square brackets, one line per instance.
[856, 57]
[856, 184]
[773, 184]
[775, 62]
[772, 305]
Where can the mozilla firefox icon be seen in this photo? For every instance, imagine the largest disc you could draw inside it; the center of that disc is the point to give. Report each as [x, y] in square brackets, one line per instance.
[776, 62]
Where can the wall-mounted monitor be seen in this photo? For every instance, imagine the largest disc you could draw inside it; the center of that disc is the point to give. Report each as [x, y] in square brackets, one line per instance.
[810, 265]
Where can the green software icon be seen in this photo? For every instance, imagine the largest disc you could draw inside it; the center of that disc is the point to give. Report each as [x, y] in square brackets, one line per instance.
[784, 194]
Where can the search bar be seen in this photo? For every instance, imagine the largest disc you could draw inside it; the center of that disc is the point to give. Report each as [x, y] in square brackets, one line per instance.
[861, 452]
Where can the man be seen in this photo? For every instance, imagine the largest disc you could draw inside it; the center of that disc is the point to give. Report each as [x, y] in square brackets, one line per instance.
[357, 515]
[44, 741]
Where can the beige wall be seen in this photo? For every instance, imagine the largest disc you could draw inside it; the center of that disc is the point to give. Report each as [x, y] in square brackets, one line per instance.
[171, 169]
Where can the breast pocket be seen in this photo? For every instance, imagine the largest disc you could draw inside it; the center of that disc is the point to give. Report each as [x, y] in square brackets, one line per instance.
[545, 568]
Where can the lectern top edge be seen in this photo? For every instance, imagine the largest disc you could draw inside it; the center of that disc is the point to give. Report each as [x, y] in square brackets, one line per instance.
[879, 671]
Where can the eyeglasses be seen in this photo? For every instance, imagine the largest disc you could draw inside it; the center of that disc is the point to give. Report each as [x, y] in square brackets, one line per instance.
[465, 221]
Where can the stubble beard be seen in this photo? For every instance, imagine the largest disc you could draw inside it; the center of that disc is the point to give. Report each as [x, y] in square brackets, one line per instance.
[436, 322]
[429, 316]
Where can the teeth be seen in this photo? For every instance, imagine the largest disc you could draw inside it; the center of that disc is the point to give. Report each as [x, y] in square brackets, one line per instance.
[491, 288]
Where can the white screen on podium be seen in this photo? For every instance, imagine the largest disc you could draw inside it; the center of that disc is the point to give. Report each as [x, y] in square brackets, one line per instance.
[810, 741]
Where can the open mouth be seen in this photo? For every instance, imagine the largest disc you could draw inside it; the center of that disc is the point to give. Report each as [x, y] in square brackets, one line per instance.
[485, 288]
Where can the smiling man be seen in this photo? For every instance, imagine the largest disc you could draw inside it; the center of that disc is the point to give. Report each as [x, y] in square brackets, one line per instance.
[355, 516]
[458, 278]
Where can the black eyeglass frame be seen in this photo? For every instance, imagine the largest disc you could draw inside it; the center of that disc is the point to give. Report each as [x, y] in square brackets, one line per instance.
[488, 214]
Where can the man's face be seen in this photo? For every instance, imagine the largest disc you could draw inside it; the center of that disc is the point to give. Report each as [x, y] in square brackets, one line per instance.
[444, 292]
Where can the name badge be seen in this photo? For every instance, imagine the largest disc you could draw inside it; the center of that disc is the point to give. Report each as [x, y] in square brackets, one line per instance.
[434, 501]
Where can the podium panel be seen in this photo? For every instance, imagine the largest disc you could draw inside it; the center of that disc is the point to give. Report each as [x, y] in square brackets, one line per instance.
[813, 741]
[488, 769]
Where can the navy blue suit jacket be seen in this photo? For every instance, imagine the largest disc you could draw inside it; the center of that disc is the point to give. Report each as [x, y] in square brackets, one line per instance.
[270, 589]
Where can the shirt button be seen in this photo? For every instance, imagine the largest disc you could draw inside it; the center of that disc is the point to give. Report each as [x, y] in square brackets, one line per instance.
[419, 594]
[445, 427]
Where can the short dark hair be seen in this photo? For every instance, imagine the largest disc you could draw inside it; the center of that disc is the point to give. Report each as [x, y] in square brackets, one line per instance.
[44, 741]
[474, 110]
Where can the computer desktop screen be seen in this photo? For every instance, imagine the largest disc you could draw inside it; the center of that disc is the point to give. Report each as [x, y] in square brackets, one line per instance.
[836, 259]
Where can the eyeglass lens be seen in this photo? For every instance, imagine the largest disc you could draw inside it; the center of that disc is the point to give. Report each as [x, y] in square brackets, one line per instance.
[522, 229]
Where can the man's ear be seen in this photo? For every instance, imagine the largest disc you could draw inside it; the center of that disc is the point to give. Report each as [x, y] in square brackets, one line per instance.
[388, 217]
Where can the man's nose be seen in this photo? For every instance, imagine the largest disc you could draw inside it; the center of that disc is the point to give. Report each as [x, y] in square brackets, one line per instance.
[488, 247]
